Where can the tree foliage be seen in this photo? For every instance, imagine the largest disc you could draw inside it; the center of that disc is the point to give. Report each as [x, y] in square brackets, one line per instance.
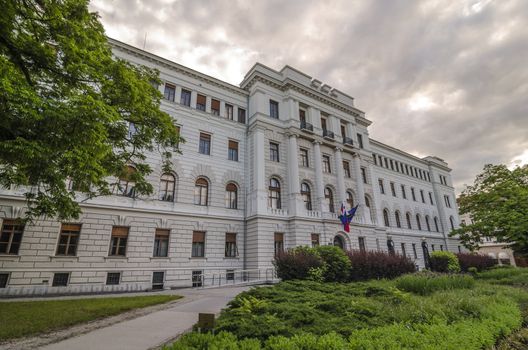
[66, 106]
[498, 205]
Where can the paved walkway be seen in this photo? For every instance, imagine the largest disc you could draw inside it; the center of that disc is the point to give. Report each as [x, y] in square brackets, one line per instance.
[154, 329]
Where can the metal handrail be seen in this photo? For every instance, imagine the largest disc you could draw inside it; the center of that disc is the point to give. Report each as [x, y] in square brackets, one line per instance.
[238, 277]
[306, 126]
[327, 133]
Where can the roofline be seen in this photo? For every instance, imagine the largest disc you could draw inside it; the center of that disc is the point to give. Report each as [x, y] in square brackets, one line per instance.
[423, 161]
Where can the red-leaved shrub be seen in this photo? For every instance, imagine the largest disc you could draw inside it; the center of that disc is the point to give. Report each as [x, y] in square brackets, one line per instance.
[377, 265]
[296, 263]
[479, 261]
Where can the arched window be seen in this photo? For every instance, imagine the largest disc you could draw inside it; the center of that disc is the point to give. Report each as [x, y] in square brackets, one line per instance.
[201, 192]
[409, 224]
[427, 223]
[167, 186]
[452, 222]
[386, 217]
[306, 194]
[436, 224]
[350, 199]
[338, 242]
[274, 194]
[418, 222]
[231, 199]
[125, 185]
[367, 202]
[397, 217]
[329, 197]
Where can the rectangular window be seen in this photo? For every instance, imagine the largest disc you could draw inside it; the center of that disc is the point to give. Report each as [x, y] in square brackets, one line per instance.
[198, 244]
[304, 157]
[414, 251]
[169, 92]
[375, 159]
[3, 279]
[381, 187]
[158, 278]
[447, 201]
[302, 115]
[343, 130]
[431, 198]
[11, 236]
[413, 194]
[60, 279]
[274, 109]
[274, 151]
[185, 98]
[346, 168]
[68, 239]
[118, 241]
[201, 100]
[326, 164]
[241, 115]
[393, 189]
[205, 144]
[315, 240]
[361, 242]
[161, 242]
[364, 175]
[113, 278]
[403, 249]
[229, 112]
[323, 124]
[230, 275]
[404, 194]
[215, 107]
[422, 196]
[231, 250]
[278, 243]
[360, 140]
[197, 277]
[392, 164]
[232, 150]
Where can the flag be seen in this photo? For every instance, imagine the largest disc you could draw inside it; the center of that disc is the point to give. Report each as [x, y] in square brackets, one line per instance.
[346, 217]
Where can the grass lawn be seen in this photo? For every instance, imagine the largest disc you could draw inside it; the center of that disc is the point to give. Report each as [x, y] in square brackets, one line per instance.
[26, 318]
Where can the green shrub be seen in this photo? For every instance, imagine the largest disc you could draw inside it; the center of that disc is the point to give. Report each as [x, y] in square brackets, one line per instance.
[427, 283]
[444, 262]
[513, 276]
[297, 263]
[336, 263]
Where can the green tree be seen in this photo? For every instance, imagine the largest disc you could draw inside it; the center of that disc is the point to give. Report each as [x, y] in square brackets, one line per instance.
[498, 205]
[67, 108]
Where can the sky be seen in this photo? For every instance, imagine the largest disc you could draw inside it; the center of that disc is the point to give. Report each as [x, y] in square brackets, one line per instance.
[443, 78]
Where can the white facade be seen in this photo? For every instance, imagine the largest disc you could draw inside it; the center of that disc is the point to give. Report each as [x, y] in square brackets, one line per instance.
[306, 160]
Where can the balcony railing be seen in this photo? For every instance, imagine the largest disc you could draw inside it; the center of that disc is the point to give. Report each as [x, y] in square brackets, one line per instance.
[347, 141]
[328, 134]
[306, 126]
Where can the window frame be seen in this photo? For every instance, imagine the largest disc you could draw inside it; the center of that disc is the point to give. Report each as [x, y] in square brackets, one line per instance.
[69, 231]
[17, 229]
[201, 192]
[273, 109]
[274, 150]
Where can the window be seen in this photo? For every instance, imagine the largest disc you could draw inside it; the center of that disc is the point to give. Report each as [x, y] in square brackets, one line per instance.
[346, 168]
[386, 217]
[68, 239]
[169, 92]
[230, 275]
[118, 242]
[404, 194]
[393, 189]
[360, 140]
[132, 130]
[452, 222]
[443, 180]
[215, 107]
[60, 279]
[274, 194]
[350, 199]
[329, 197]
[231, 250]
[200, 102]
[274, 109]
[422, 196]
[158, 278]
[404, 253]
[397, 217]
[364, 175]
[201, 192]
[315, 240]
[302, 116]
[231, 200]
[418, 222]
[185, 98]
[11, 236]
[323, 124]
[125, 185]
[390, 246]
[441, 247]
[392, 164]
[197, 277]
[167, 186]
[409, 224]
[229, 111]
[343, 130]
[427, 223]
[431, 198]
[361, 243]
[161, 243]
[306, 195]
[113, 278]
[326, 164]
[241, 115]
[232, 150]
[198, 244]
[205, 144]
[4, 277]
[447, 201]
[304, 158]
[381, 187]
[433, 247]
[274, 151]
[279, 243]
[415, 254]
[436, 224]
[413, 194]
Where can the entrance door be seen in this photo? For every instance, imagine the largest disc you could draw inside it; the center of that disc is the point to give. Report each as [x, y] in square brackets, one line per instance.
[426, 255]
[338, 242]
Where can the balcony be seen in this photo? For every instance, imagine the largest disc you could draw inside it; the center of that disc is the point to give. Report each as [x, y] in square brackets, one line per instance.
[328, 134]
[305, 126]
[347, 141]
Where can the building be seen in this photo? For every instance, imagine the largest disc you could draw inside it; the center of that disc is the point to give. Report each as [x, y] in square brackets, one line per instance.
[265, 167]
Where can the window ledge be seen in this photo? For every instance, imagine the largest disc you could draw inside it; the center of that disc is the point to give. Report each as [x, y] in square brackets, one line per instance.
[116, 258]
[9, 257]
[162, 258]
[231, 258]
[198, 258]
[64, 258]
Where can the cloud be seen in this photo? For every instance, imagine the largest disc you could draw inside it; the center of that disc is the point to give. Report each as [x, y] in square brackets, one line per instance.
[435, 77]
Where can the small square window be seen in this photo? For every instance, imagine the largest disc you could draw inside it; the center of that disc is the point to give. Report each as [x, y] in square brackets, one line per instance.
[230, 275]
[60, 279]
[113, 278]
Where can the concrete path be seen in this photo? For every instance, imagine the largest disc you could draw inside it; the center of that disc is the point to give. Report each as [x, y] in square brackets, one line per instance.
[154, 329]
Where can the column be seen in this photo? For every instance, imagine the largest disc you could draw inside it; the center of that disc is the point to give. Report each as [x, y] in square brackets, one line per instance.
[295, 200]
[222, 109]
[259, 199]
[319, 187]
[351, 130]
[293, 109]
[360, 189]
[208, 104]
[194, 97]
[341, 197]
[376, 200]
